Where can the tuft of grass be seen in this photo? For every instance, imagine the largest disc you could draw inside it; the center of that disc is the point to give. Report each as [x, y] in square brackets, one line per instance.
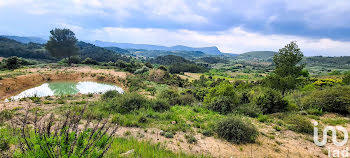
[335, 121]
[143, 149]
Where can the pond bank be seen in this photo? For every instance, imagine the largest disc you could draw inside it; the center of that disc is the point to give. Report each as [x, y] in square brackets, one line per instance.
[36, 77]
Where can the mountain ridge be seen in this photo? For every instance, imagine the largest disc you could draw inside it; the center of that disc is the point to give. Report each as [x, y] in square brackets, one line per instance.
[207, 50]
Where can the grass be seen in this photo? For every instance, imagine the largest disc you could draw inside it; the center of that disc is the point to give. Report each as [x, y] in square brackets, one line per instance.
[335, 121]
[177, 118]
[142, 149]
[119, 146]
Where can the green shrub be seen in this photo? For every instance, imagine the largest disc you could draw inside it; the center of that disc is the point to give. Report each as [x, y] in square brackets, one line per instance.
[236, 130]
[299, 123]
[5, 115]
[160, 105]
[222, 98]
[346, 79]
[75, 60]
[90, 61]
[63, 138]
[168, 135]
[126, 103]
[207, 133]
[110, 94]
[172, 96]
[222, 104]
[250, 110]
[12, 63]
[186, 99]
[271, 101]
[142, 70]
[223, 89]
[330, 99]
[4, 142]
[263, 118]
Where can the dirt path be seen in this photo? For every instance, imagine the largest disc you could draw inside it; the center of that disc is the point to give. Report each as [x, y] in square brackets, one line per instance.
[36, 76]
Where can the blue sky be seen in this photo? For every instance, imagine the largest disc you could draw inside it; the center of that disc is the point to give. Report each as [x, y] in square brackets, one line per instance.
[320, 27]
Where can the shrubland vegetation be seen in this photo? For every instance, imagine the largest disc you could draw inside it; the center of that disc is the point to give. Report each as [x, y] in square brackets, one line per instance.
[228, 99]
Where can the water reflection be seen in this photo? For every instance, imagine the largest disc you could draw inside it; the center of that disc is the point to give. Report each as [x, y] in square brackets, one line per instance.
[65, 88]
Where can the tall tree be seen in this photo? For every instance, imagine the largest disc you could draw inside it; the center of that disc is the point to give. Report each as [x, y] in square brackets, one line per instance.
[62, 44]
[287, 71]
[287, 59]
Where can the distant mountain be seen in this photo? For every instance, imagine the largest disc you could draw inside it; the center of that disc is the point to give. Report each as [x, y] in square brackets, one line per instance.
[26, 40]
[207, 50]
[257, 55]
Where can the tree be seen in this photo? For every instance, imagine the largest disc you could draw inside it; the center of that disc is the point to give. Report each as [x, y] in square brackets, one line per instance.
[12, 63]
[62, 44]
[287, 71]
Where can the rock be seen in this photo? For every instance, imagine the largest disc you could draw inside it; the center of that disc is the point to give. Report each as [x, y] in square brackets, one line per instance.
[128, 152]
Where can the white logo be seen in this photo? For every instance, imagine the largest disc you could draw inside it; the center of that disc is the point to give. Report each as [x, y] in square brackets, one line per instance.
[334, 135]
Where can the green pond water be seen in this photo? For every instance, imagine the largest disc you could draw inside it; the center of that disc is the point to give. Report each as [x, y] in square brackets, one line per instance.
[66, 88]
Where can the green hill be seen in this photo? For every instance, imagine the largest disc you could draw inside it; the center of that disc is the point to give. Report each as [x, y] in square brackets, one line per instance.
[157, 53]
[9, 47]
[257, 55]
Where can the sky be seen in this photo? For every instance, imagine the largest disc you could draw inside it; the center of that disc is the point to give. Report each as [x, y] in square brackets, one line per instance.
[320, 27]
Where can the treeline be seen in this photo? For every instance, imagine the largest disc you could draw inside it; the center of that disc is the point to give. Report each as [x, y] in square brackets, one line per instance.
[99, 54]
[213, 60]
[177, 64]
[10, 48]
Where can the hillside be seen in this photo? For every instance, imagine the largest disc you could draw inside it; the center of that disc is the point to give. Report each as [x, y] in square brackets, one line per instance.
[257, 55]
[335, 62]
[207, 50]
[99, 54]
[156, 53]
[26, 40]
[9, 47]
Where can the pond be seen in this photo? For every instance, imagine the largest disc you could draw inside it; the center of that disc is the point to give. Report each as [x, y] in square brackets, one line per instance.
[66, 88]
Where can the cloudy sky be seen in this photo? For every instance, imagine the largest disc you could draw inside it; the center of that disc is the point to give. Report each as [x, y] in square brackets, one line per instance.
[320, 27]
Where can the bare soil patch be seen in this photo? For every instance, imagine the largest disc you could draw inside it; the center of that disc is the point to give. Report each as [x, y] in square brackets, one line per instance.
[36, 76]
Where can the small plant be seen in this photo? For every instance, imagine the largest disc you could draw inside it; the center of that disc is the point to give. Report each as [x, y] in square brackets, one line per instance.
[207, 133]
[160, 105]
[126, 103]
[277, 128]
[127, 133]
[5, 115]
[90, 95]
[236, 130]
[168, 135]
[35, 99]
[191, 139]
[263, 118]
[63, 139]
[109, 95]
[298, 123]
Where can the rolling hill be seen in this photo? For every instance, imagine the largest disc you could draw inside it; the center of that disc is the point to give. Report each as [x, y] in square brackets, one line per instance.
[207, 50]
[26, 40]
[257, 55]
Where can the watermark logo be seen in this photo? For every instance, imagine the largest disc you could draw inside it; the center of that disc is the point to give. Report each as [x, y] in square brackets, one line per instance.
[334, 135]
[333, 130]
